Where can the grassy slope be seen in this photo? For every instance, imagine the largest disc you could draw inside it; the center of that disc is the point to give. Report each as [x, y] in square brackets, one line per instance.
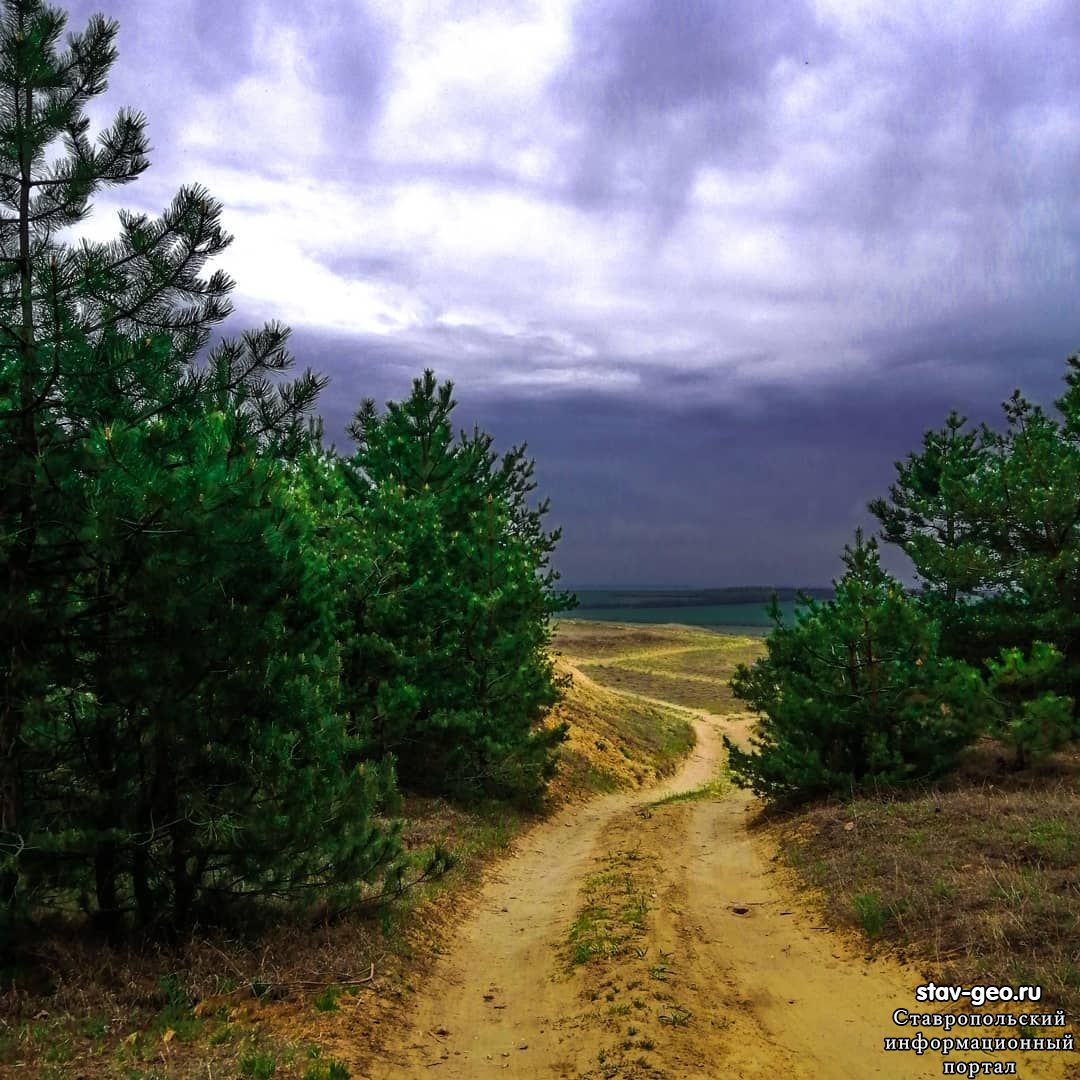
[289, 1002]
[979, 875]
[615, 742]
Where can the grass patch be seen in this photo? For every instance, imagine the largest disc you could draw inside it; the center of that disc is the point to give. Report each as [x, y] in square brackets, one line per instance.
[327, 1001]
[328, 1070]
[980, 873]
[615, 909]
[258, 1065]
[676, 1016]
[615, 742]
[588, 640]
[711, 695]
[717, 788]
[684, 665]
[871, 913]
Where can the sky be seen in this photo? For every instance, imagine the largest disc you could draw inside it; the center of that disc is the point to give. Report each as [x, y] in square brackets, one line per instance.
[719, 263]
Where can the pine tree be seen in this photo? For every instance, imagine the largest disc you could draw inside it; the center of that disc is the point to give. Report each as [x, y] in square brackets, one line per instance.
[459, 688]
[54, 301]
[989, 520]
[854, 693]
[934, 515]
[1032, 719]
[1033, 504]
[169, 728]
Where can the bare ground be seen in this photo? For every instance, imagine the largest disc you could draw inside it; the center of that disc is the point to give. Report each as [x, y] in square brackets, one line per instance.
[726, 976]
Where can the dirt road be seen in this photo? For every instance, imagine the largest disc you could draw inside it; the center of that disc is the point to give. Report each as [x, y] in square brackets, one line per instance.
[728, 978]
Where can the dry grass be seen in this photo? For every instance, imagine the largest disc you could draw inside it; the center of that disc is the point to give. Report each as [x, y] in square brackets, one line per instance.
[980, 874]
[615, 742]
[712, 695]
[306, 1000]
[684, 665]
[587, 640]
[287, 999]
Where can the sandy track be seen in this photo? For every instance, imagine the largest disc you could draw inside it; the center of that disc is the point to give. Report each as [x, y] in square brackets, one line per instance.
[503, 985]
[769, 994]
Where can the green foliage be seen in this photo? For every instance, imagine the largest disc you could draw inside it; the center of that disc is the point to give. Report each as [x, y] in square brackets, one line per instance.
[327, 1001]
[933, 511]
[258, 1065]
[854, 693]
[446, 661]
[871, 913]
[1033, 720]
[170, 734]
[989, 518]
[215, 634]
[328, 1070]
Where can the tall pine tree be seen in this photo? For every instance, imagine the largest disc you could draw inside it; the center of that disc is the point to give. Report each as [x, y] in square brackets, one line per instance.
[464, 678]
[990, 522]
[169, 725]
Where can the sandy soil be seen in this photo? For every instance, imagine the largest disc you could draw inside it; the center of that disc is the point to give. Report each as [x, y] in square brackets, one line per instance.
[765, 992]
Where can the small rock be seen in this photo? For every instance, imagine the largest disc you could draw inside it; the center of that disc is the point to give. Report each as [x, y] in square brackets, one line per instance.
[524, 1046]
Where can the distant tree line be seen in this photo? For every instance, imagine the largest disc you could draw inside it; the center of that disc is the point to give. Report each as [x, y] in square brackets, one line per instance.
[879, 686]
[606, 599]
[222, 643]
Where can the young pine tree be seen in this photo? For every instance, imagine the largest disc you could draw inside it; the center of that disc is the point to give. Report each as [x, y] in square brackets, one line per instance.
[461, 676]
[1034, 502]
[1032, 719]
[854, 693]
[989, 520]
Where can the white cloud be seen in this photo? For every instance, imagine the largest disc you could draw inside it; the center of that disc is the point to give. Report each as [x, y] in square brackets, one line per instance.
[460, 191]
[272, 117]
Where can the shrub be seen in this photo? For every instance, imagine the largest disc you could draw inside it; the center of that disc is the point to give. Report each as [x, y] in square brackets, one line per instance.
[855, 693]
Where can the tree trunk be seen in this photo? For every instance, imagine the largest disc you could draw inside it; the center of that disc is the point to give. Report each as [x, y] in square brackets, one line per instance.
[17, 619]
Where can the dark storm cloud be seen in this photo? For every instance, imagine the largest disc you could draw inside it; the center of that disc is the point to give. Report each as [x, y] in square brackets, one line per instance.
[660, 88]
[650, 488]
[966, 113]
[722, 495]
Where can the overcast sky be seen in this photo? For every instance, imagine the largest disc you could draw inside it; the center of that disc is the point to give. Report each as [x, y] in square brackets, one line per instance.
[719, 262]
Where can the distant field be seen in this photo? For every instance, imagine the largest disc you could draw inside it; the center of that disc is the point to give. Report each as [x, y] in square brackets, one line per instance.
[684, 664]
